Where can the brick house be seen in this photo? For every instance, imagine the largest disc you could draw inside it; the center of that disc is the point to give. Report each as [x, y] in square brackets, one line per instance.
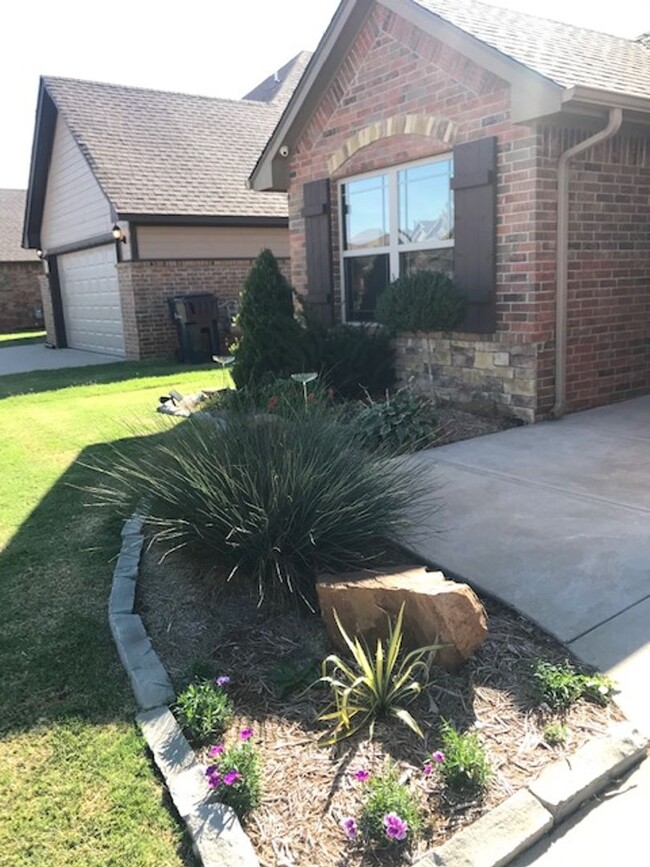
[510, 151]
[20, 270]
[165, 174]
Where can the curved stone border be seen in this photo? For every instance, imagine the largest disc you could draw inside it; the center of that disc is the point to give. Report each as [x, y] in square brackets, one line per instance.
[217, 836]
[494, 840]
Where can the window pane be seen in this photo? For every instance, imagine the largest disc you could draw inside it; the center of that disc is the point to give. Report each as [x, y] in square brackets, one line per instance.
[365, 278]
[426, 203]
[366, 213]
[427, 260]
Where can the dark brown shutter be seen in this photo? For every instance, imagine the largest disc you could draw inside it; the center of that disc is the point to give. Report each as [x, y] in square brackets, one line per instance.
[318, 249]
[474, 184]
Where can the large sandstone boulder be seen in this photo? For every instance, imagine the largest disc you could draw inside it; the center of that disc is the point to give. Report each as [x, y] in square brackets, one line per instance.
[436, 611]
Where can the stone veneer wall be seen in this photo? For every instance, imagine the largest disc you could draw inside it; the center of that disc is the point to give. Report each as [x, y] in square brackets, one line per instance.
[487, 375]
[21, 306]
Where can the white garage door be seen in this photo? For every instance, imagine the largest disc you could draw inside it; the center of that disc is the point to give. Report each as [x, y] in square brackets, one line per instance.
[91, 300]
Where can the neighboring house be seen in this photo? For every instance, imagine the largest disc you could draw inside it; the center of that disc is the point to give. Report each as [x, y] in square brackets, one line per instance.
[165, 171]
[20, 270]
[411, 112]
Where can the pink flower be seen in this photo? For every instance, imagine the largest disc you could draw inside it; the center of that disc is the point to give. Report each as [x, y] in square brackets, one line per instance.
[349, 825]
[218, 750]
[438, 757]
[362, 775]
[223, 680]
[214, 777]
[246, 734]
[231, 778]
[396, 828]
[427, 769]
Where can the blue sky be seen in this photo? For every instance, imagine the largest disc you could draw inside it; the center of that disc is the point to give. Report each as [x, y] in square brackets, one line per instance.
[215, 48]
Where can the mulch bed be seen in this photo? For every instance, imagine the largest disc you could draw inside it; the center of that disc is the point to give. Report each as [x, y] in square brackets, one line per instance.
[201, 626]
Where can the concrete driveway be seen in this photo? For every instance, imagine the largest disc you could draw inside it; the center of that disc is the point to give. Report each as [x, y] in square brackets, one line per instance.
[36, 356]
[554, 519]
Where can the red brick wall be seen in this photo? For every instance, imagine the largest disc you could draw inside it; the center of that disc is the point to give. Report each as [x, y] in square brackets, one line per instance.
[608, 354]
[395, 70]
[20, 296]
[147, 286]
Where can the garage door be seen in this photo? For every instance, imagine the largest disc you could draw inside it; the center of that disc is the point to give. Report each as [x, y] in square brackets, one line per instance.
[91, 300]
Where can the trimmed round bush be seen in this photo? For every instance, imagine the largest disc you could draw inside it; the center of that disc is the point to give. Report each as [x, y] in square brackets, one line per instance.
[423, 301]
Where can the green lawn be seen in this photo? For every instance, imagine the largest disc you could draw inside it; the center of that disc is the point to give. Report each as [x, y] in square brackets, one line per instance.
[17, 338]
[76, 785]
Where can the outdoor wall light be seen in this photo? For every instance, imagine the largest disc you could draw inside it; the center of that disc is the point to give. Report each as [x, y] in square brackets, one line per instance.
[118, 234]
[40, 254]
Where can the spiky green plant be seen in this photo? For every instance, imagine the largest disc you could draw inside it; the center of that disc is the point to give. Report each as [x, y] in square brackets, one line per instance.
[372, 686]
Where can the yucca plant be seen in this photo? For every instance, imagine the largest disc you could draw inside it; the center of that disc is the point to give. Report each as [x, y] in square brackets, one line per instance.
[372, 686]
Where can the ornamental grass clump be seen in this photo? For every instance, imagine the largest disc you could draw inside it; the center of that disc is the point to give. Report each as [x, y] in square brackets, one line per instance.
[277, 500]
[375, 685]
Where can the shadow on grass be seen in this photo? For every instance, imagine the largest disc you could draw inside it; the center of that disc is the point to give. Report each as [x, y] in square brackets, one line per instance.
[16, 384]
[60, 671]
[7, 341]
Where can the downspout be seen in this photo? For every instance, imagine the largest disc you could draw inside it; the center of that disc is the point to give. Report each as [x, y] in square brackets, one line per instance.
[613, 126]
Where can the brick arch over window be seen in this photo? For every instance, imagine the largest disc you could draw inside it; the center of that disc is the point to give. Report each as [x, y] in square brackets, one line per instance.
[437, 128]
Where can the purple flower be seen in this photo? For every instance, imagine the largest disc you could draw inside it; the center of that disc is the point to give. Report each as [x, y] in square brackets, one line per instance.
[438, 757]
[427, 769]
[396, 828]
[213, 775]
[349, 825]
[362, 775]
[218, 750]
[224, 680]
[246, 734]
[231, 778]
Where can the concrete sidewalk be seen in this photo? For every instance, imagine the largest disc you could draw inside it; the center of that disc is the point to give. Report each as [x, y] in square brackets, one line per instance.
[36, 356]
[554, 519]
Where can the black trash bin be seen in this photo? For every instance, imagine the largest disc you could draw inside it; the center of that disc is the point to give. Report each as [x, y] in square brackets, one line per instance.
[197, 323]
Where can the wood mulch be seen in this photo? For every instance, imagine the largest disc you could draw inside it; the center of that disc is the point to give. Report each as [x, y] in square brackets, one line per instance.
[202, 627]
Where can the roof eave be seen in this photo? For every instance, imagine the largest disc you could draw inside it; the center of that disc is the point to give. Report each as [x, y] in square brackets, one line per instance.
[533, 95]
[579, 96]
[251, 221]
[42, 142]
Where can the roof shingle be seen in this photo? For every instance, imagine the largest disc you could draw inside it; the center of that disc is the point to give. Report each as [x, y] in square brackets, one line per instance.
[159, 153]
[568, 55]
[12, 211]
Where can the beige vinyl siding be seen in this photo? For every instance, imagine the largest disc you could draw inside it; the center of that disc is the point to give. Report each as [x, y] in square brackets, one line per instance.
[75, 206]
[209, 242]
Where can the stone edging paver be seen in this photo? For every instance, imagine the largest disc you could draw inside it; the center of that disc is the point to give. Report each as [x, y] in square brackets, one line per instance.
[494, 840]
[217, 836]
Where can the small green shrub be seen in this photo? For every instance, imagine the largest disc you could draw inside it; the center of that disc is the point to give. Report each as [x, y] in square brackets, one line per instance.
[271, 338]
[282, 396]
[388, 797]
[288, 676]
[403, 423]
[373, 686]
[279, 500]
[204, 710]
[422, 301]
[555, 733]
[353, 360]
[235, 775]
[465, 766]
[560, 686]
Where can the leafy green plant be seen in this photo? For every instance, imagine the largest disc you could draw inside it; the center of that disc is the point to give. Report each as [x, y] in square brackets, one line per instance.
[555, 733]
[561, 685]
[204, 710]
[283, 396]
[387, 797]
[402, 423]
[235, 775]
[271, 339]
[353, 360]
[279, 500]
[372, 686]
[289, 676]
[422, 301]
[464, 765]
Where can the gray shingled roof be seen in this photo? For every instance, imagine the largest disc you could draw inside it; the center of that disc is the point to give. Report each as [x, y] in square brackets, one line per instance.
[160, 153]
[279, 86]
[12, 211]
[565, 54]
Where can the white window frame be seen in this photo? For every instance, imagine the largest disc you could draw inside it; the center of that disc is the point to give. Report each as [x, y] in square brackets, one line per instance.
[394, 248]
